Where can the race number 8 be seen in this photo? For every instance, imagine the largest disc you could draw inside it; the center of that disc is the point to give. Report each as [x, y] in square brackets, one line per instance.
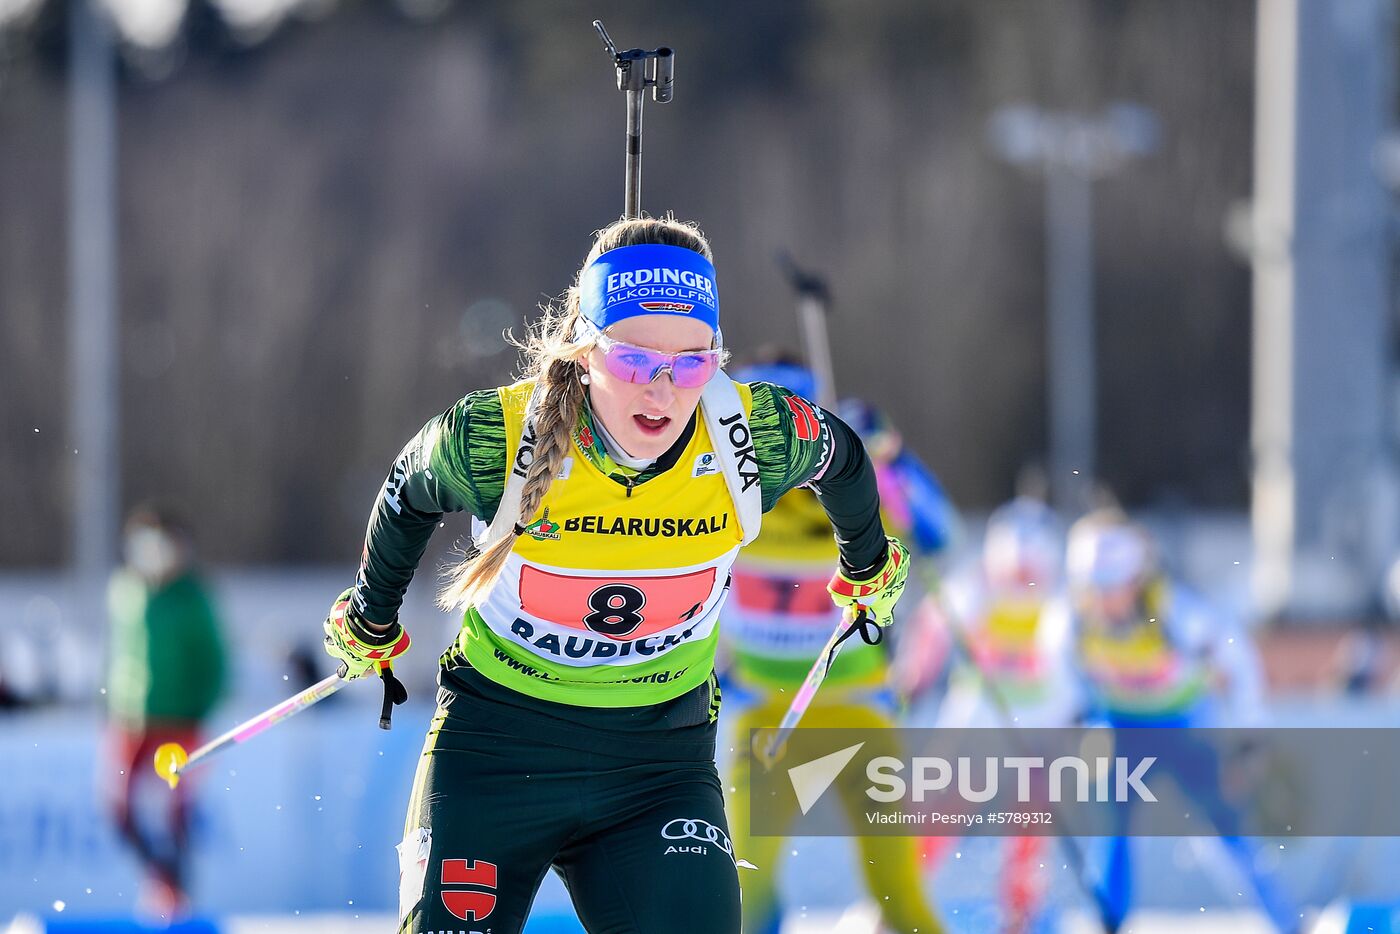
[615, 609]
[615, 606]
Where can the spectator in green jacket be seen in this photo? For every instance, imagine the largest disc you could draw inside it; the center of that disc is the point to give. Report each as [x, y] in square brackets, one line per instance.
[165, 673]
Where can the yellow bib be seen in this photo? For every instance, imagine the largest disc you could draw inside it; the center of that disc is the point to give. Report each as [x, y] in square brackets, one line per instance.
[611, 583]
[780, 614]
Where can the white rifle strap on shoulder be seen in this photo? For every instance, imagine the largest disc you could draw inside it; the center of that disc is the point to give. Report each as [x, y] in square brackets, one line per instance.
[508, 512]
[729, 430]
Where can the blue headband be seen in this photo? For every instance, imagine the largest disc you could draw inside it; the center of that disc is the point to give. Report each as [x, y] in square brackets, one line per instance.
[649, 279]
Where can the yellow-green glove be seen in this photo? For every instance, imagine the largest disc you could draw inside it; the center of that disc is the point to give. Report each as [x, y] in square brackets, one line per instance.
[878, 593]
[360, 650]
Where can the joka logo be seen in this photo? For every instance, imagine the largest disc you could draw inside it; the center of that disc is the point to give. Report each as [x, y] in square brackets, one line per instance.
[683, 308]
[742, 443]
[470, 905]
[805, 417]
[705, 465]
[525, 454]
[542, 529]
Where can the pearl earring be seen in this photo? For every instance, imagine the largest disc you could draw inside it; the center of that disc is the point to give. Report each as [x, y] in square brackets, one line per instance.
[584, 378]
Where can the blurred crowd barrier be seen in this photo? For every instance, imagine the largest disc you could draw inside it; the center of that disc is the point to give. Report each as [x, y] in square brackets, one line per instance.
[301, 818]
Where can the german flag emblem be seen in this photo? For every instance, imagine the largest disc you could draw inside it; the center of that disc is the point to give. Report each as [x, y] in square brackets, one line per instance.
[805, 417]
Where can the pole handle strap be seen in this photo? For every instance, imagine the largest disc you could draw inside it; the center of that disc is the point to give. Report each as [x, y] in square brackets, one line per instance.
[865, 626]
[394, 693]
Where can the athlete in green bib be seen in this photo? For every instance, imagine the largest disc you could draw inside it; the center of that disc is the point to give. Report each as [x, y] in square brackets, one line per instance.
[576, 720]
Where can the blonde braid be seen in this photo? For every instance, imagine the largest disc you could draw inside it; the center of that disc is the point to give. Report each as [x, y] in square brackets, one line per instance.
[554, 426]
[554, 423]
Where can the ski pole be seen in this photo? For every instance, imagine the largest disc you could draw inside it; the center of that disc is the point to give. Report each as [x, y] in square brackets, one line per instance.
[637, 70]
[859, 623]
[172, 761]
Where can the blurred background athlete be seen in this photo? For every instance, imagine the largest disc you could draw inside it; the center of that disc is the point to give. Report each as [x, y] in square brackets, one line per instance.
[1010, 669]
[778, 618]
[1150, 653]
[165, 673]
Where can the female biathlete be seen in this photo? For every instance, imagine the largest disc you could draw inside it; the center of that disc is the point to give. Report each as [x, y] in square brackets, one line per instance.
[576, 712]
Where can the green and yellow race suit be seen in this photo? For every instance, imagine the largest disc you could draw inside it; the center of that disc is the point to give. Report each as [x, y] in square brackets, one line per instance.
[576, 721]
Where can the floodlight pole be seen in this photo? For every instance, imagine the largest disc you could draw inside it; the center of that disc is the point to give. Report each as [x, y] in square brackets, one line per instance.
[1071, 350]
[92, 446]
[1071, 150]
